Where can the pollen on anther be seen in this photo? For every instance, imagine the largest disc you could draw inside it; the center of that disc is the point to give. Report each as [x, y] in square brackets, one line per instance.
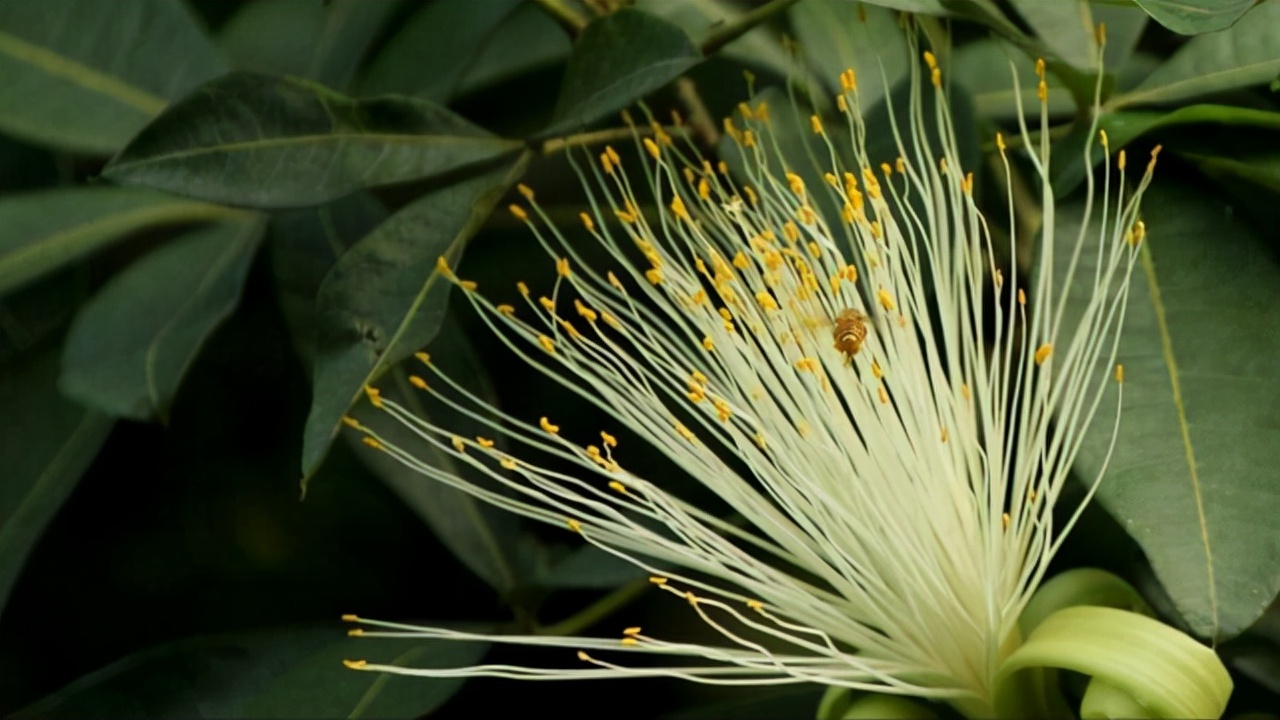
[526, 191]
[374, 395]
[652, 148]
[562, 267]
[351, 422]
[547, 343]
[617, 487]
[1120, 373]
[355, 664]
[657, 580]
[1042, 353]
[506, 309]
[628, 641]
[484, 442]
[417, 382]
[458, 444]
[371, 442]
[574, 525]
[886, 300]
[546, 425]
[583, 656]
[349, 617]
[518, 212]
[755, 605]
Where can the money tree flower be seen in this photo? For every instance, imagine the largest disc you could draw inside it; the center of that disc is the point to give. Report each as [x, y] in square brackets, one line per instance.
[889, 411]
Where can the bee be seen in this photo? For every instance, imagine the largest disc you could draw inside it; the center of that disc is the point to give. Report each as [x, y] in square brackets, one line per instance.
[850, 332]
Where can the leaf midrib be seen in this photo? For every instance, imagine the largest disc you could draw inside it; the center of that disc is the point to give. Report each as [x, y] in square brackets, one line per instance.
[80, 74]
[1138, 95]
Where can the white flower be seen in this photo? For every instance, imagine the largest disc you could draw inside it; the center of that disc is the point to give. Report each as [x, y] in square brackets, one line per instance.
[900, 417]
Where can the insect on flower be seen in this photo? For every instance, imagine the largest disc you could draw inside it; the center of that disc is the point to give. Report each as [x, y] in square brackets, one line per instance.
[895, 488]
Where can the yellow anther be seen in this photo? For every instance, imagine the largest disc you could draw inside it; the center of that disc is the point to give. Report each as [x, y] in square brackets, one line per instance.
[944, 434]
[741, 261]
[842, 105]
[876, 371]
[546, 425]
[1042, 91]
[964, 390]
[652, 148]
[691, 598]
[807, 364]
[708, 344]
[617, 487]
[657, 580]
[762, 112]
[1120, 160]
[704, 189]
[653, 275]
[678, 209]
[848, 80]
[722, 167]
[348, 617]
[751, 195]
[351, 422]
[354, 664]
[1000, 142]
[1022, 297]
[886, 300]
[930, 60]
[759, 439]
[371, 442]
[505, 309]
[900, 165]
[526, 191]
[574, 525]
[685, 432]
[1005, 520]
[593, 452]
[584, 311]
[884, 395]
[1155, 152]
[628, 641]
[423, 357]
[587, 222]
[442, 266]
[967, 184]
[1042, 353]
[755, 605]
[796, 183]
[815, 124]
[508, 463]
[1119, 373]
[458, 444]
[886, 168]
[468, 285]
[417, 382]
[518, 212]
[484, 442]
[548, 304]
[547, 343]
[935, 76]
[374, 395]
[805, 215]
[748, 139]
[606, 164]
[522, 288]
[766, 300]
[562, 267]
[745, 109]
[583, 656]
[1104, 139]
[611, 321]
[790, 231]
[689, 177]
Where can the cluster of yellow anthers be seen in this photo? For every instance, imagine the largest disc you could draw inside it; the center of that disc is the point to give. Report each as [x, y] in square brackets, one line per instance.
[889, 417]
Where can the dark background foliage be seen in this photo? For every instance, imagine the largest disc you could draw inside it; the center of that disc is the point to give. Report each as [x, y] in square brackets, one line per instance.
[218, 219]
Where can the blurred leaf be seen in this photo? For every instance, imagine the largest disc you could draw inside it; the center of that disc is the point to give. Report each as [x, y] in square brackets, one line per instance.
[304, 245]
[617, 60]
[1256, 652]
[130, 345]
[526, 40]
[1123, 127]
[1125, 24]
[698, 17]
[1066, 27]
[1247, 54]
[383, 299]
[46, 444]
[986, 68]
[589, 567]
[1192, 17]
[924, 7]
[42, 231]
[1262, 167]
[483, 537]
[286, 673]
[84, 75]
[247, 139]
[433, 49]
[1193, 475]
[757, 702]
[322, 40]
[836, 35]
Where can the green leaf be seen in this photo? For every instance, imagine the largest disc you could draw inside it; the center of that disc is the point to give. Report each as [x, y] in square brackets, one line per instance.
[836, 35]
[1192, 478]
[84, 75]
[43, 231]
[46, 444]
[130, 345]
[283, 673]
[247, 139]
[1246, 54]
[699, 17]
[986, 68]
[617, 60]
[304, 245]
[1262, 167]
[483, 537]
[924, 7]
[1192, 17]
[428, 55]
[526, 41]
[589, 567]
[322, 40]
[1066, 27]
[1123, 127]
[383, 299]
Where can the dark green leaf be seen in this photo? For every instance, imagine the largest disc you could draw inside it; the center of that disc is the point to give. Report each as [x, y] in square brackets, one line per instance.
[254, 140]
[837, 35]
[1123, 127]
[698, 18]
[42, 231]
[1066, 27]
[304, 245]
[131, 344]
[1192, 17]
[986, 68]
[1262, 168]
[924, 7]
[428, 56]
[590, 567]
[617, 60]
[383, 299]
[1247, 54]
[287, 673]
[527, 40]
[321, 40]
[46, 443]
[85, 75]
[1193, 475]
[481, 536]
